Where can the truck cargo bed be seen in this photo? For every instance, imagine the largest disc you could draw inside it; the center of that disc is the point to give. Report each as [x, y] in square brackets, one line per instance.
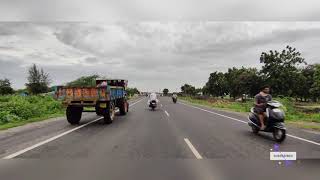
[89, 96]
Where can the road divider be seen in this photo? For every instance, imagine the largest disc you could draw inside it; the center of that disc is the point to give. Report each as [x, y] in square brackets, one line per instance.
[238, 120]
[57, 136]
[193, 149]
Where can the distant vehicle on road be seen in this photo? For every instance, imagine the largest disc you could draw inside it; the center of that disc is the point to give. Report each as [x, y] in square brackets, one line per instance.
[174, 98]
[105, 97]
[153, 101]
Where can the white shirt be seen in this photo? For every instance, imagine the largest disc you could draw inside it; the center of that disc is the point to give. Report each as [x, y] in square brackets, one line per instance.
[153, 96]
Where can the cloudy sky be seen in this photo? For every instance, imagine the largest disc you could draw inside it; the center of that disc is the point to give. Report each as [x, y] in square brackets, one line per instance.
[152, 43]
[150, 10]
[151, 55]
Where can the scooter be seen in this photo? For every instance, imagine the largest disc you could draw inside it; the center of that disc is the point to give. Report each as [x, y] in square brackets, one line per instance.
[174, 99]
[274, 121]
[153, 104]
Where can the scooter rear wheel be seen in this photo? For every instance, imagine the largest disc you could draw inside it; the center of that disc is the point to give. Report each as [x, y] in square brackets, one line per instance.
[255, 130]
[279, 134]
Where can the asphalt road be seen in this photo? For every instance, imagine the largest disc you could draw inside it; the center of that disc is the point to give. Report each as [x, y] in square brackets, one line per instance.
[177, 141]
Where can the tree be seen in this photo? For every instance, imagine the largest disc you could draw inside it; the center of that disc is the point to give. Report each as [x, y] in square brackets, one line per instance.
[216, 85]
[315, 88]
[38, 80]
[303, 82]
[188, 89]
[232, 85]
[249, 81]
[280, 67]
[84, 81]
[5, 87]
[132, 91]
[198, 90]
[243, 81]
[165, 91]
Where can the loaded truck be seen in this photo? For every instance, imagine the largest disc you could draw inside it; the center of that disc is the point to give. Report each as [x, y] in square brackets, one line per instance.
[104, 98]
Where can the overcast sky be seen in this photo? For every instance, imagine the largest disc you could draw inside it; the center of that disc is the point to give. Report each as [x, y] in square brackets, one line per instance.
[142, 10]
[151, 55]
[152, 43]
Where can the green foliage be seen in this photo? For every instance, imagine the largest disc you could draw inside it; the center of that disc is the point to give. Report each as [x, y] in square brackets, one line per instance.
[281, 69]
[188, 89]
[18, 108]
[217, 84]
[38, 80]
[243, 81]
[84, 81]
[235, 82]
[315, 88]
[5, 87]
[165, 91]
[6, 117]
[132, 91]
[221, 103]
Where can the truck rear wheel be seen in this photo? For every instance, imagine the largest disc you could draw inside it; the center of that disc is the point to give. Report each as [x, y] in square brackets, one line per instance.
[109, 113]
[124, 107]
[99, 111]
[74, 114]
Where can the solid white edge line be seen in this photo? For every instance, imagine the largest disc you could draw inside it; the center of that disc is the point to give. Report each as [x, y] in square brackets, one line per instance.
[167, 113]
[55, 137]
[302, 139]
[193, 149]
[290, 135]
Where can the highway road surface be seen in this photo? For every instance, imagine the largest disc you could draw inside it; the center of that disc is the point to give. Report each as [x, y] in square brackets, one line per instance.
[177, 141]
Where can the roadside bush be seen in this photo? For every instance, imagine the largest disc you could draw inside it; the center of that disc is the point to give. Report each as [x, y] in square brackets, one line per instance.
[18, 108]
[6, 117]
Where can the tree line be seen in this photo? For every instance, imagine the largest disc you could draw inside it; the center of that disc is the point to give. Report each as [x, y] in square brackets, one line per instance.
[286, 72]
[39, 81]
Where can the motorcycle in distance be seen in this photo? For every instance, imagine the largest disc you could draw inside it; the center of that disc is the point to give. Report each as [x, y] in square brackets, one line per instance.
[274, 121]
[153, 105]
[174, 99]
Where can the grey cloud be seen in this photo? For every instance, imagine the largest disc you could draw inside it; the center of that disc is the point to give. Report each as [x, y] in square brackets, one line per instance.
[92, 60]
[13, 69]
[164, 10]
[151, 55]
[207, 49]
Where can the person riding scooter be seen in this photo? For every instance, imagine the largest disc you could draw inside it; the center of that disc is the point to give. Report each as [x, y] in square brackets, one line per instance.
[261, 100]
[174, 98]
[274, 121]
[153, 100]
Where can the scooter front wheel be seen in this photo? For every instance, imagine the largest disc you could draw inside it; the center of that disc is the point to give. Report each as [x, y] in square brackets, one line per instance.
[279, 134]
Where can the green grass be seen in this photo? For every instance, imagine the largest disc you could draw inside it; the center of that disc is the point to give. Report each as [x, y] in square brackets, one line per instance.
[292, 113]
[17, 110]
[221, 104]
[20, 123]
